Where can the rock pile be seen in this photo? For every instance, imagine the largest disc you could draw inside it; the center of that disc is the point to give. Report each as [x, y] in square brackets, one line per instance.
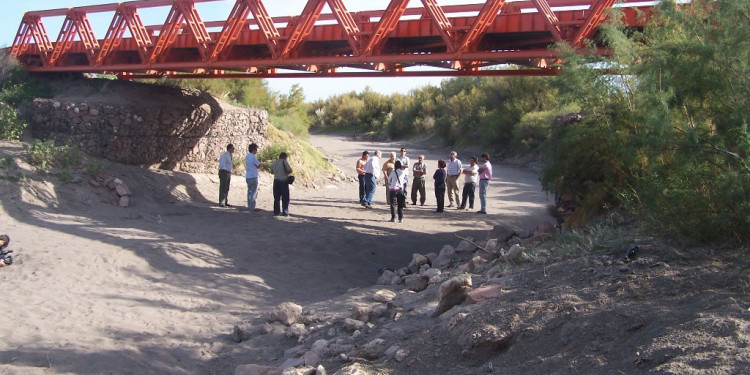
[404, 303]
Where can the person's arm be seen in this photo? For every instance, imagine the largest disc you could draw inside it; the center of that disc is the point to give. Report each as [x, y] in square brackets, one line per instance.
[288, 167]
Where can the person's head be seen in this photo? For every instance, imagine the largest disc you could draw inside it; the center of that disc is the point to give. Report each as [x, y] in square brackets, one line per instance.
[365, 155]
[393, 156]
[377, 153]
[230, 148]
[485, 158]
[397, 164]
[403, 151]
[283, 155]
[453, 155]
[441, 163]
[4, 241]
[253, 148]
[421, 158]
[473, 160]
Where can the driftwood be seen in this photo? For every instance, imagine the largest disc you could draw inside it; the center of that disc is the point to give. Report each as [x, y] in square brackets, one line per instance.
[473, 243]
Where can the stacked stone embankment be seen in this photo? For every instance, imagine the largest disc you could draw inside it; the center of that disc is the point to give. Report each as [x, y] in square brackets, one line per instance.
[163, 127]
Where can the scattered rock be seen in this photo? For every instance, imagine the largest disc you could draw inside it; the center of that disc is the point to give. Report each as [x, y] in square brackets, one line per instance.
[383, 295]
[353, 324]
[297, 330]
[514, 253]
[354, 369]
[465, 247]
[287, 313]
[416, 283]
[292, 362]
[417, 260]
[545, 227]
[453, 292]
[239, 334]
[374, 349]
[124, 201]
[483, 293]
[123, 190]
[311, 358]
[388, 277]
[401, 354]
[361, 312]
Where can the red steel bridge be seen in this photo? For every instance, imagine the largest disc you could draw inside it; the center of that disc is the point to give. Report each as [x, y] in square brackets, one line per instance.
[497, 37]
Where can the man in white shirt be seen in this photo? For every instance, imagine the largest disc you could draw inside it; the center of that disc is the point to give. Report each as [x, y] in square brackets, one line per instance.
[453, 169]
[405, 165]
[225, 175]
[251, 176]
[471, 179]
[371, 178]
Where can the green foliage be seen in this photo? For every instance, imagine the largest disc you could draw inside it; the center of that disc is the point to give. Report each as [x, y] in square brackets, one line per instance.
[46, 154]
[667, 135]
[94, 168]
[11, 125]
[307, 162]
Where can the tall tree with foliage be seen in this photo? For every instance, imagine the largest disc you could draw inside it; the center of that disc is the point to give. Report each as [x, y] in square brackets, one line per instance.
[668, 135]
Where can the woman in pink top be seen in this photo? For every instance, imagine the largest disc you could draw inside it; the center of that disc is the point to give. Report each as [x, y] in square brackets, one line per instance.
[485, 174]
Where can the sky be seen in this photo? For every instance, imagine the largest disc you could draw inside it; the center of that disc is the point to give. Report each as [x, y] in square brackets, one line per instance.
[314, 88]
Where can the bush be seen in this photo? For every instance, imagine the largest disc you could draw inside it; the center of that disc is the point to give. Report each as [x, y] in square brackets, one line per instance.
[11, 125]
[46, 154]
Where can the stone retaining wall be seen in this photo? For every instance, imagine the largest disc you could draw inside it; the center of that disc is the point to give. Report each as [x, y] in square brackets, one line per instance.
[158, 126]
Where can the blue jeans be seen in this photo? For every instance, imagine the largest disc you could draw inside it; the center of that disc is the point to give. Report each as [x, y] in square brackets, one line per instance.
[280, 195]
[362, 195]
[483, 184]
[252, 192]
[370, 187]
[468, 194]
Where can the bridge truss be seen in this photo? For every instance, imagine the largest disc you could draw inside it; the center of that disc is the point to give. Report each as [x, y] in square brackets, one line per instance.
[497, 37]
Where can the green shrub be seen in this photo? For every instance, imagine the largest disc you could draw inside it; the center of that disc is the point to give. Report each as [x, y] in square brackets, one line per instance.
[11, 125]
[94, 168]
[42, 154]
[46, 154]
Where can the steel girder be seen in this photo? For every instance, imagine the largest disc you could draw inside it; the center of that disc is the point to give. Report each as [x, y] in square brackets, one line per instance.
[494, 33]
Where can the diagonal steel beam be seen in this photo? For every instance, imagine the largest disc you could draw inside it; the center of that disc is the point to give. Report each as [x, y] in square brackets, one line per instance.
[484, 19]
[266, 26]
[32, 28]
[442, 22]
[302, 26]
[385, 26]
[347, 22]
[550, 18]
[231, 28]
[167, 34]
[196, 25]
[595, 17]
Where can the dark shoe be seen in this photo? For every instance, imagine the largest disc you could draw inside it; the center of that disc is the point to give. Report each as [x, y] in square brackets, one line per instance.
[229, 205]
[368, 206]
[421, 204]
[393, 220]
[461, 208]
[438, 211]
[276, 213]
[400, 220]
[413, 203]
[363, 204]
[481, 212]
[222, 205]
[285, 214]
[449, 206]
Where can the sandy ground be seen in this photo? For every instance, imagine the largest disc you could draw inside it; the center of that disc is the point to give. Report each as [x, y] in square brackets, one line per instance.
[157, 287]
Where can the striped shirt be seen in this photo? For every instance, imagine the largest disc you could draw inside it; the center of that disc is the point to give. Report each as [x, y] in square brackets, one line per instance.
[454, 167]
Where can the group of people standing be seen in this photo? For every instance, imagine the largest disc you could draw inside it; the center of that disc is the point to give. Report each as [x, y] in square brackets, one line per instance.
[281, 172]
[396, 171]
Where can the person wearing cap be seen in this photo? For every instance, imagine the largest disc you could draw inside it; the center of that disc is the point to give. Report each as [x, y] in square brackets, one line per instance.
[225, 175]
[360, 168]
[485, 175]
[419, 169]
[371, 178]
[453, 168]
